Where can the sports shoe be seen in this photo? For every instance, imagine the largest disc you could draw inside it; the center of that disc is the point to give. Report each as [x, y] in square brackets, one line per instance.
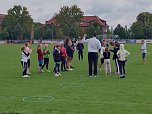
[59, 74]
[29, 73]
[25, 76]
[48, 71]
[122, 77]
[56, 75]
[90, 76]
[70, 69]
[42, 70]
[95, 75]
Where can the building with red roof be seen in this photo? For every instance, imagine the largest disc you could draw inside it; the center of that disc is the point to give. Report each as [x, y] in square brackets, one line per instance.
[85, 23]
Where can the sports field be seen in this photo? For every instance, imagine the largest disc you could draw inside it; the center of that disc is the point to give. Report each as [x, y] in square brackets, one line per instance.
[74, 92]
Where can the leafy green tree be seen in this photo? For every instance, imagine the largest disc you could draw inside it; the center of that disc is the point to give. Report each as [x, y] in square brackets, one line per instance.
[4, 34]
[38, 30]
[49, 32]
[142, 28]
[18, 22]
[120, 31]
[68, 19]
[94, 27]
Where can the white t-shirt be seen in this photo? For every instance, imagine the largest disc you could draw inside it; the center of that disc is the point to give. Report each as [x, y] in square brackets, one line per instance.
[143, 48]
[101, 52]
[93, 44]
[24, 57]
[28, 51]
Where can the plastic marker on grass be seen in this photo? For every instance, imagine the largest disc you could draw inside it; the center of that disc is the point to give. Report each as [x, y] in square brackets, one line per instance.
[38, 99]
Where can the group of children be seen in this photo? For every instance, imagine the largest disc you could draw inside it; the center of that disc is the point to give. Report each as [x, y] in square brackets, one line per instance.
[63, 56]
[119, 57]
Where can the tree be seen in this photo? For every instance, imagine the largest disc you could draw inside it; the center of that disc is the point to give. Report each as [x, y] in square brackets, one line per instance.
[69, 19]
[38, 30]
[94, 27]
[18, 22]
[48, 32]
[120, 32]
[142, 28]
[4, 34]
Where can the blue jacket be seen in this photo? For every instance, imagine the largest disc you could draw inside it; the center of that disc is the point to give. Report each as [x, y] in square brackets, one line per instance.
[56, 55]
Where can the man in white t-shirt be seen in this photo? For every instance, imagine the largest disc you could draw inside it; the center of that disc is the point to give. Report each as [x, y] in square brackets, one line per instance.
[94, 46]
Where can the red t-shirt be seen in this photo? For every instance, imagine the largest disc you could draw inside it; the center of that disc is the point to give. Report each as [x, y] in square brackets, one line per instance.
[40, 54]
[63, 51]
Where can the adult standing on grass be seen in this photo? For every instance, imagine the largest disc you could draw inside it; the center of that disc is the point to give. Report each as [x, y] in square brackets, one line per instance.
[27, 45]
[122, 54]
[94, 46]
[143, 51]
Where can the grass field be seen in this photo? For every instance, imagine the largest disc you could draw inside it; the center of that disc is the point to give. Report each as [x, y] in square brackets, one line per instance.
[74, 92]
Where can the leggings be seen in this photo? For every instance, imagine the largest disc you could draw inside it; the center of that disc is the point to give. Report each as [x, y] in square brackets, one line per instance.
[46, 63]
[80, 54]
[24, 65]
[122, 67]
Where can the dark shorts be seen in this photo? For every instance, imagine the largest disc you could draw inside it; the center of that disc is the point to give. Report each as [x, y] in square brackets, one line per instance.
[143, 55]
[102, 61]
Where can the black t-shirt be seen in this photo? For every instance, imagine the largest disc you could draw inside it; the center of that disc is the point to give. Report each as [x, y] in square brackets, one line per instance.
[115, 50]
[80, 46]
[106, 55]
[69, 51]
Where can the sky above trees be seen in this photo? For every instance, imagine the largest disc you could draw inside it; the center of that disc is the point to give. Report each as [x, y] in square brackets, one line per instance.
[115, 12]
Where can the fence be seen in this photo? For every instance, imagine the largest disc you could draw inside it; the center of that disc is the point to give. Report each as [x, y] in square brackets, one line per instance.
[132, 41]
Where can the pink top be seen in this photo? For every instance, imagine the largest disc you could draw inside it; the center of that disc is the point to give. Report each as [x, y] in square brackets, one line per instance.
[40, 54]
[63, 51]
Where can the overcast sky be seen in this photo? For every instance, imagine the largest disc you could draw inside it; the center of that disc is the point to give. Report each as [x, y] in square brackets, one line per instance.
[113, 11]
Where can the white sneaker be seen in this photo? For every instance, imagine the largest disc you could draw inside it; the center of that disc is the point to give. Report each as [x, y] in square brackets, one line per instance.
[42, 70]
[56, 75]
[48, 71]
[25, 76]
[29, 73]
[70, 69]
[59, 74]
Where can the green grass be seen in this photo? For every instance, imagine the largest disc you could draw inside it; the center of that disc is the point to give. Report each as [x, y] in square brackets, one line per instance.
[75, 93]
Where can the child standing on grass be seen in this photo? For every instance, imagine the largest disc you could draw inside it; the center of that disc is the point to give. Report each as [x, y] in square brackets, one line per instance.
[143, 51]
[70, 50]
[115, 57]
[107, 63]
[57, 60]
[27, 45]
[80, 48]
[103, 46]
[46, 57]
[122, 54]
[63, 58]
[24, 61]
[40, 58]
